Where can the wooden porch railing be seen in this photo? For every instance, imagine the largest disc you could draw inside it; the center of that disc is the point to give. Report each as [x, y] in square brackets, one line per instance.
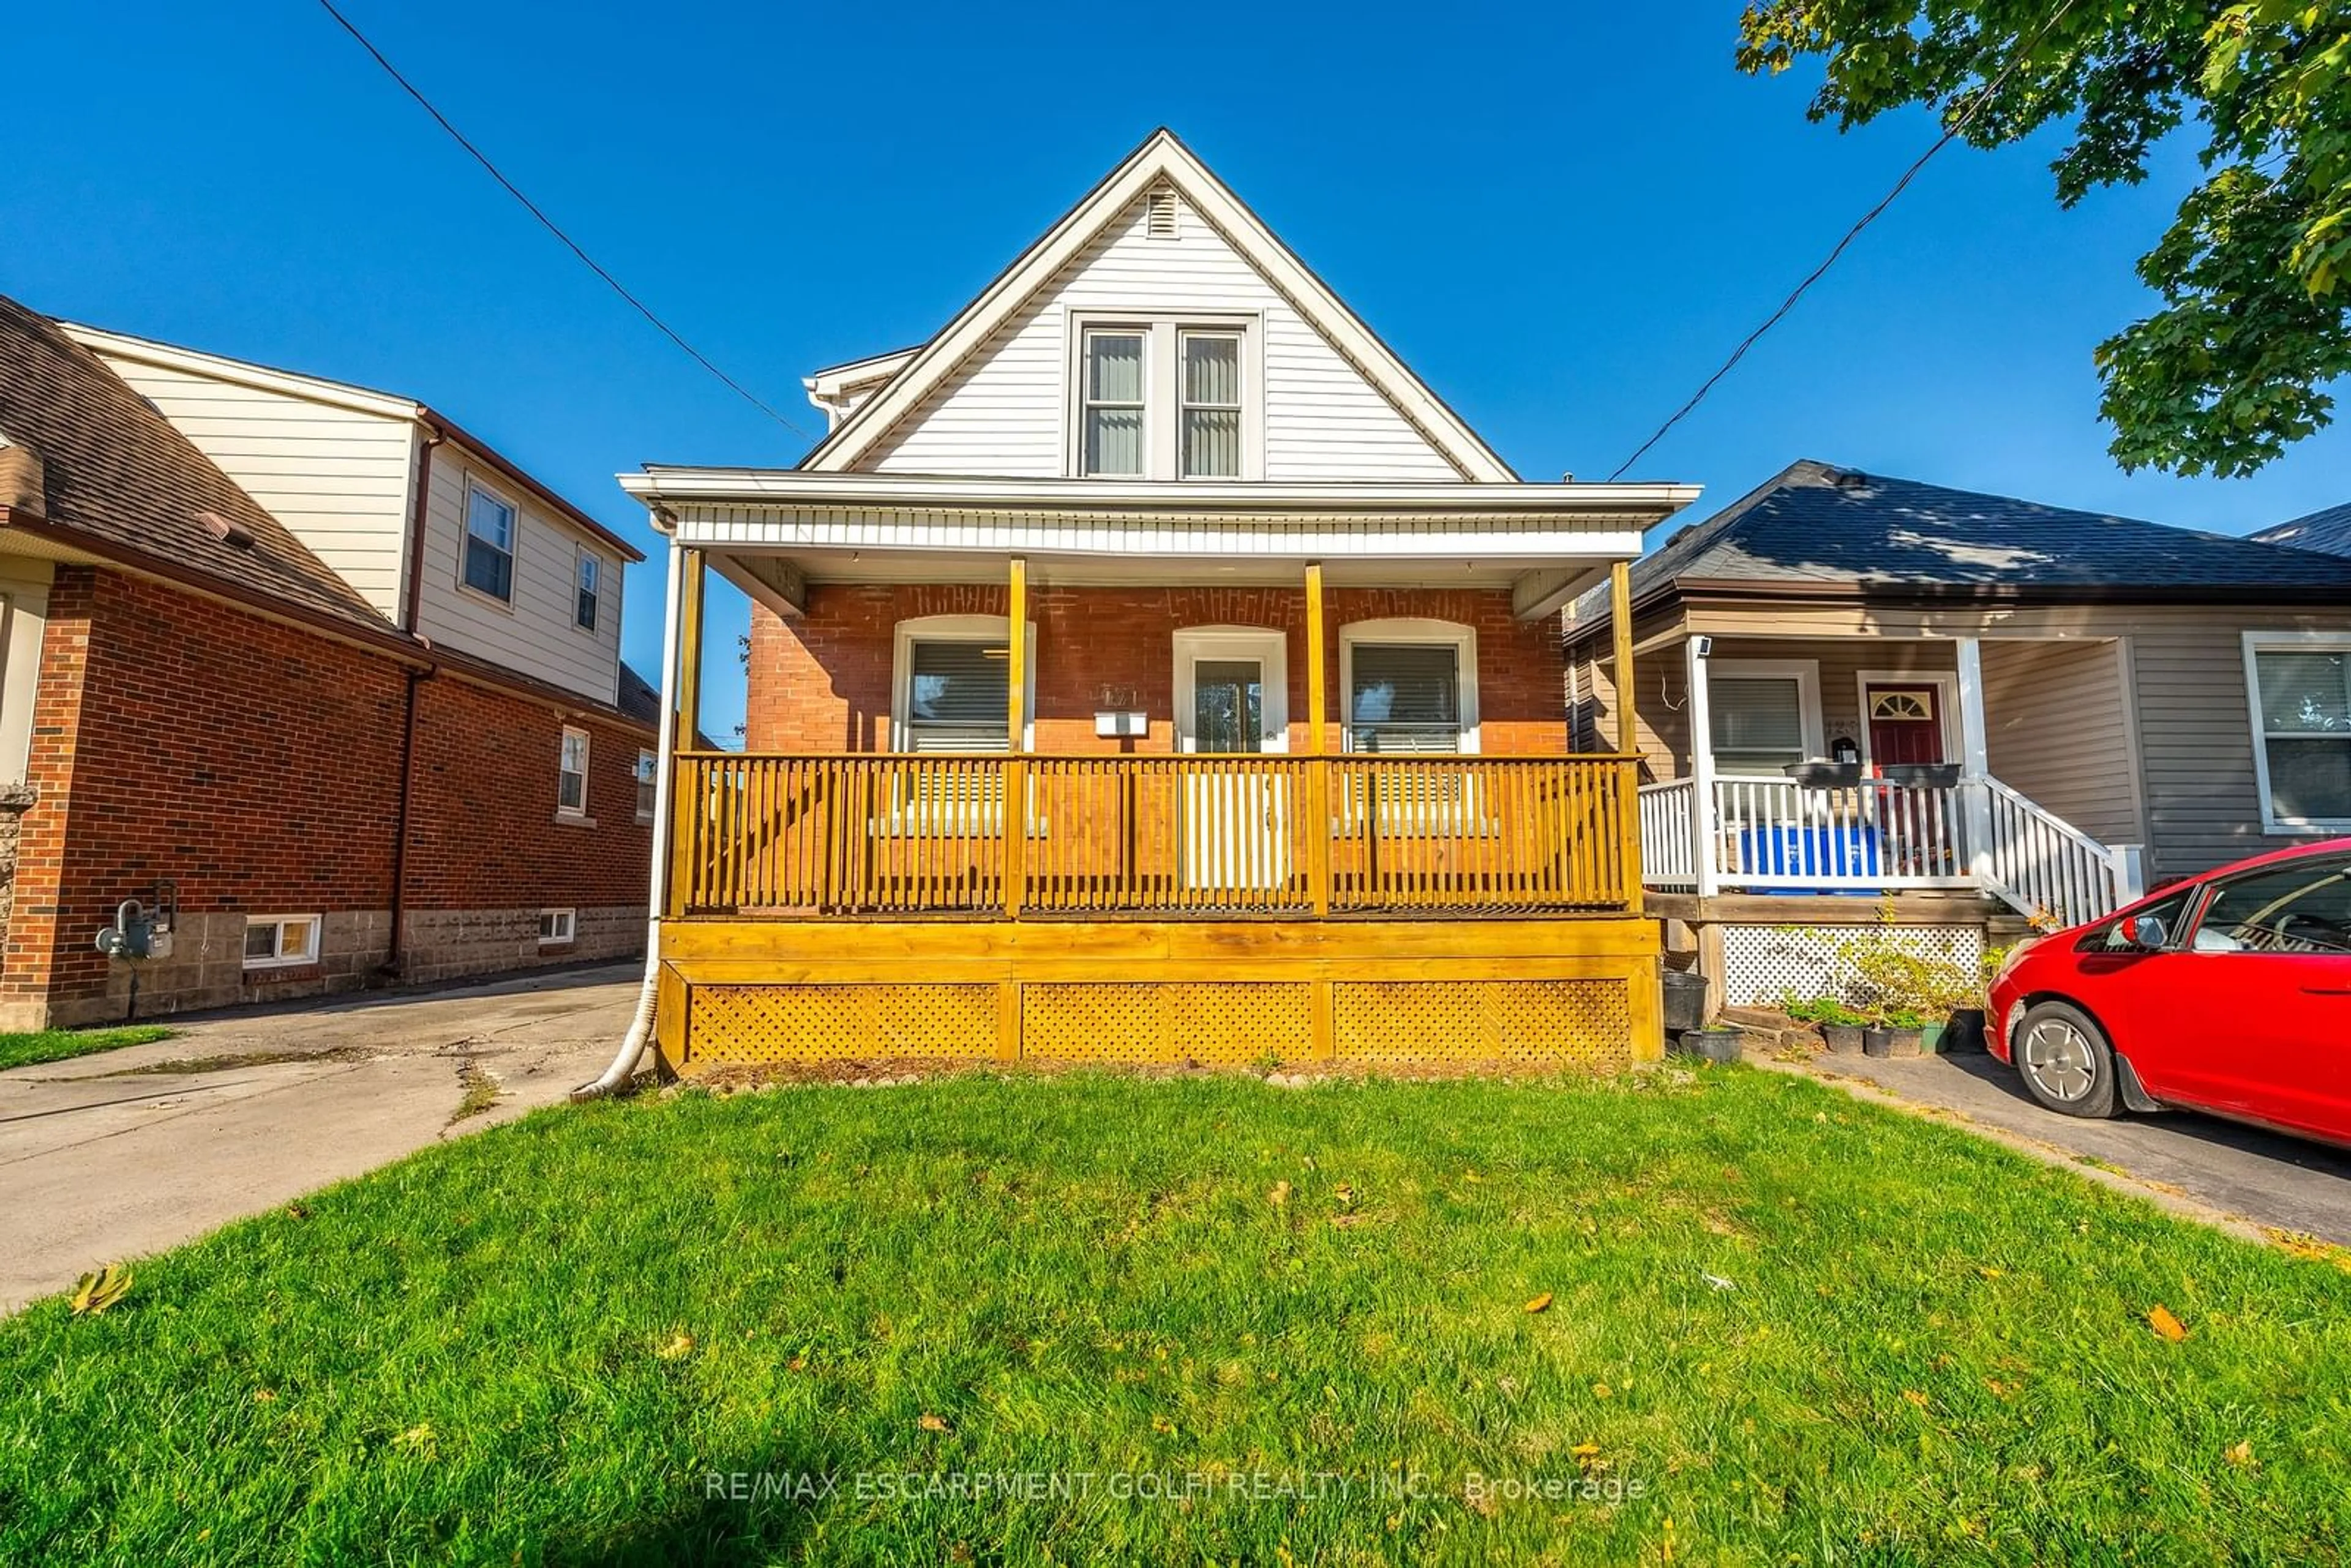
[1170, 837]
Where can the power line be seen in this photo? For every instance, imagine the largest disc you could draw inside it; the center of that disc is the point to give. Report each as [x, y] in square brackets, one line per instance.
[638, 306]
[1950, 133]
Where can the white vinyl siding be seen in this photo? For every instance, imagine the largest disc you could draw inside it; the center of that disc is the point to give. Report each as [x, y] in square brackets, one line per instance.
[537, 632]
[1006, 411]
[337, 477]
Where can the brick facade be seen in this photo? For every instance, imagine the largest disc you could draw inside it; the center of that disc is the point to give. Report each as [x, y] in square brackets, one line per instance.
[256, 767]
[822, 683]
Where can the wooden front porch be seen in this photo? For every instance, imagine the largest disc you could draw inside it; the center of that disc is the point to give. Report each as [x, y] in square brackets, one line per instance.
[1156, 910]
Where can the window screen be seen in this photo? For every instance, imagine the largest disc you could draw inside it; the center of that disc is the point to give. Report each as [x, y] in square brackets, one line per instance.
[958, 695]
[1404, 696]
[2306, 732]
[1757, 721]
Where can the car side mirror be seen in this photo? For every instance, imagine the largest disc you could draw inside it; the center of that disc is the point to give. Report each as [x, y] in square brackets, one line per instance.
[2145, 932]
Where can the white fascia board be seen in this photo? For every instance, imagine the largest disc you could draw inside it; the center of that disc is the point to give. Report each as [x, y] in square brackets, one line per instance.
[241, 372]
[835, 379]
[1507, 544]
[785, 488]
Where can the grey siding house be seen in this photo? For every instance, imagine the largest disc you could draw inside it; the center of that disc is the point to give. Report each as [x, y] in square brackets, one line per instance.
[1866, 700]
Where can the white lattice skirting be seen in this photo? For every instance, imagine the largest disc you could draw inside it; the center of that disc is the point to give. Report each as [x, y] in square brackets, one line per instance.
[1762, 963]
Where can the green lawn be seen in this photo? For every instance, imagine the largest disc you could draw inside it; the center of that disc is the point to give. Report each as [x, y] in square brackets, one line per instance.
[539, 1344]
[60, 1044]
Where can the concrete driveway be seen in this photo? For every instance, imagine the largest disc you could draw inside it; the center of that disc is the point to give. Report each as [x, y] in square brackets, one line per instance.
[2261, 1178]
[128, 1152]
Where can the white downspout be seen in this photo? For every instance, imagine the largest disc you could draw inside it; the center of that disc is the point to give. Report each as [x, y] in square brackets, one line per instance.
[640, 1026]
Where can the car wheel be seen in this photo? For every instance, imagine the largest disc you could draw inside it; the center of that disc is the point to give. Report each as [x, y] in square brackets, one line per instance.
[2064, 1059]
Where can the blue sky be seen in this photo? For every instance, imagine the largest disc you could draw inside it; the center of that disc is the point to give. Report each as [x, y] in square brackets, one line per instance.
[1561, 216]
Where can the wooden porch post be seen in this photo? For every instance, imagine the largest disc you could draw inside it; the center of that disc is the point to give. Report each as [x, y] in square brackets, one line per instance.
[686, 803]
[1705, 862]
[1628, 739]
[1016, 770]
[1318, 749]
[689, 673]
[1975, 747]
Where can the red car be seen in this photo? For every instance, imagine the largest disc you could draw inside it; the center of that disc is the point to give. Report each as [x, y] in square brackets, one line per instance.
[2230, 993]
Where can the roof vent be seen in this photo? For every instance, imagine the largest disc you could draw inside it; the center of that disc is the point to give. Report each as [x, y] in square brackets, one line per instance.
[1850, 479]
[236, 536]
[1159, 211]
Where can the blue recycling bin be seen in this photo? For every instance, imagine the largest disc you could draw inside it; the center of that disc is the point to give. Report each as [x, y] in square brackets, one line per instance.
[1826, 849]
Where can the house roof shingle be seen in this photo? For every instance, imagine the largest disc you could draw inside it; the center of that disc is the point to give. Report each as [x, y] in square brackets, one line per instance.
[2327, 530]
[1818, 524]
[115, 472]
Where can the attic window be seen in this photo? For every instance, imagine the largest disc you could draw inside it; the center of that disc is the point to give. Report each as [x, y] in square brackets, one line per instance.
[1159, 213]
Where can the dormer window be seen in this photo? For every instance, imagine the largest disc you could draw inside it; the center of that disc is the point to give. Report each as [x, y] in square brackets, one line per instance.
[1165, 399]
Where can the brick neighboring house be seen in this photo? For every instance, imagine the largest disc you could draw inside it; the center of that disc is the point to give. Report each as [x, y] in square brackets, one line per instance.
[376, 730]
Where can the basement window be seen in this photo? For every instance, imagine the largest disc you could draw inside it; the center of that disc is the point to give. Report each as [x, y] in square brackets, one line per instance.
[558, 926]
[571, 774]
[280, 941]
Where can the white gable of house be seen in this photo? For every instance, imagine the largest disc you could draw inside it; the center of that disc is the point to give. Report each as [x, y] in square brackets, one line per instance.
[990, 396]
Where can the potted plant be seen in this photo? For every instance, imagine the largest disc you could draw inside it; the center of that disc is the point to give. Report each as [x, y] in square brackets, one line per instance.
[1716, 1042]
[1841, 1027]
[1876, 1039]
[1906, 1033]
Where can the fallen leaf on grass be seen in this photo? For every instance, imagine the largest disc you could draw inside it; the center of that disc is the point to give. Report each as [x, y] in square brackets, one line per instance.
[1280, 1195]
[1602, 1391]
[417, 1440]
[2160, 1320]
[1345, 1194]
[930, 1423]
[1718, 1282]
[264, 1396]
[677, 1349]
[1586, 1450]
[2242, 1454]
[1914, 1397]
[1541, 1303]
[98, 1292]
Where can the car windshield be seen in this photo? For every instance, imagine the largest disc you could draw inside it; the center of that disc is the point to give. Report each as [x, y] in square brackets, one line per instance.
[2301, 907]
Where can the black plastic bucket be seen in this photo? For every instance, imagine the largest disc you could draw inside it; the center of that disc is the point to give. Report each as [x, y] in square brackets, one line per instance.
[1685, 1002]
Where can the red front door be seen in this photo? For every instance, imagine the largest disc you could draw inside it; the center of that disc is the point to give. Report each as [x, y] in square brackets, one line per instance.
[1905, 724]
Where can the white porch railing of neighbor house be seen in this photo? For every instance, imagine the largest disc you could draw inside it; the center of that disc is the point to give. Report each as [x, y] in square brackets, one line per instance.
[1769, 834]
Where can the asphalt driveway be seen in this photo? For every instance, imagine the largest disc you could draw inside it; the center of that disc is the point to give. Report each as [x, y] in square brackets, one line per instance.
[108, 1156]
[2261, 1179]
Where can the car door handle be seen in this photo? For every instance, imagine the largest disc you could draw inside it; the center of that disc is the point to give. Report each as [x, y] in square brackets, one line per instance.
[2326, 990]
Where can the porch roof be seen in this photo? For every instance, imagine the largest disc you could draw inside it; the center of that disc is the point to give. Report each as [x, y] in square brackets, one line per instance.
[770, 527]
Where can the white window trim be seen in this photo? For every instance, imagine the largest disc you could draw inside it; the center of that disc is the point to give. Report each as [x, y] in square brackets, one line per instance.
[587, 773]
[1805, 673]
[571, 928]
[645, 811]
[2284, 641]
[514, 545]
[309, 955]
[1947, 705]
[602, 574]
[1162, 387]
[956, 628]
[1271, 648]
[1462, 638]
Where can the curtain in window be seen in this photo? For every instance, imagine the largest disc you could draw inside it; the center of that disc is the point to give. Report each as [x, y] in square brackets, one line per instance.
[1405, 697]
[1212, 406]
[958, 695]
[1113, 434]
[2306, 733]
[1758, 723]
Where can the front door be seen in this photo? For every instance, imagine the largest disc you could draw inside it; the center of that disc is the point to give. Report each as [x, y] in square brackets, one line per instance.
[1905, 724]
[1230, 704]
